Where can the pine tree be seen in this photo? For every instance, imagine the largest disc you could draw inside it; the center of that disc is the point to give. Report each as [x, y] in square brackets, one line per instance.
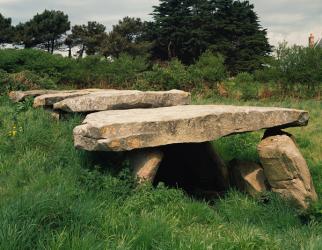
[6, 30]
[187, 28]
[44, 30]
[172, 28]
[126, 37]
[239, 36]
[88, 37]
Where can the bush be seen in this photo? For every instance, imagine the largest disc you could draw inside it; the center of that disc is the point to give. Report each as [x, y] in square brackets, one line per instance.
[24, 80]
[172, 76]
[124, 70]
[244, 77]
[209, 68]
[299, 65]
[40, 62]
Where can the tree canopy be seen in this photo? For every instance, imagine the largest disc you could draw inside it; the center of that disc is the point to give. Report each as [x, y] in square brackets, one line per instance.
[43, 30]
[6, 30]
[88, 37]
[126, 37]
[185, 29]
[182, 29]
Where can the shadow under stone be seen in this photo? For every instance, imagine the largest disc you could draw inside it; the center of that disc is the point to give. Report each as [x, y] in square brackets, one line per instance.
[191, 167]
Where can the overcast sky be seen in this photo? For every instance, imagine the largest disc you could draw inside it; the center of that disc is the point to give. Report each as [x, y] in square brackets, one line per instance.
[290, 20]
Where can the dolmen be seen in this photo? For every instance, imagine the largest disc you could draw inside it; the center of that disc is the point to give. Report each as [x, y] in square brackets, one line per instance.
[172, 145]
[166, 139]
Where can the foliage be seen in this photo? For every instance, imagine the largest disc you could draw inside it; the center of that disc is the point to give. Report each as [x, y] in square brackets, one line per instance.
[6, 30]
[207, 76]
[126, 37]
[24, 80]
[244, 77]
[55, 197]
[43, 30]
[125, 69]
[185, 29]
[209, 68]
[171, 76]
[238, 35]
[292, 66]
[299, 64]
[88, 37]
[44, 64]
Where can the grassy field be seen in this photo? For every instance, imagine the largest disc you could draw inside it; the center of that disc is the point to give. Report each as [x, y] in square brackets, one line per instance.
[55, 197]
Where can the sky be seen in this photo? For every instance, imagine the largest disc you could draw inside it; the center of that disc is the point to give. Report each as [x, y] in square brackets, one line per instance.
[290, 20]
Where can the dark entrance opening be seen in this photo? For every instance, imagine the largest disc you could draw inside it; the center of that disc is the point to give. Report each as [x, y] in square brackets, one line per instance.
[192, 167]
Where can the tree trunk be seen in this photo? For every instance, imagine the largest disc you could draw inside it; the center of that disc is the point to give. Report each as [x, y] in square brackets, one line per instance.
[81, 52]
[70, 51]
[52, 46]
[169, 50]
[48, 47]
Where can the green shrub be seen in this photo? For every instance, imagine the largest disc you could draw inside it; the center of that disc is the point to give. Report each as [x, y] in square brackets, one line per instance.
[267, 74]
[244, 77]
[123, 70]
[6, 82]
[209, 68]
[246, 86]
[40, 62]
[299, 65]
[172, 76]
[24, 80]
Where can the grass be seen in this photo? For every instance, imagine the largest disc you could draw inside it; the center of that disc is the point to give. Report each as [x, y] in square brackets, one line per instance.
[53, 196]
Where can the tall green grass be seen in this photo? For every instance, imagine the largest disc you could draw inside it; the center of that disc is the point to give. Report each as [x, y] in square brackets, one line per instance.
[53, 196]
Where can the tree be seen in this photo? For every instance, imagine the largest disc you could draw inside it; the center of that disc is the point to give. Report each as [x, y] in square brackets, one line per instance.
[239, 36]
[186, 29]
[6, 30]
[88, 37]
[69, 43]
[172, 28]
[126, 37]
[43, 30]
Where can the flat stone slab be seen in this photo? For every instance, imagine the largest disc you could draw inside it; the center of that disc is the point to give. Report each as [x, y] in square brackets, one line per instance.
[123, 99]
[122, 130]
[18, 96]
[48, 100]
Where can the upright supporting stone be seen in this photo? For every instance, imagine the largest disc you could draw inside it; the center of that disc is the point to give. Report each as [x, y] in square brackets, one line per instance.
[55, 115]
[248, 177]
[286, 170]
[145, 163]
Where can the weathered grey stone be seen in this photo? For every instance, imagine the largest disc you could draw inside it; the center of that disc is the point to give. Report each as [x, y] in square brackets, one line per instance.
[145, 163]
[48, 100]
[55, 115]
[123, 99]
[18, 96]
[286, 170]
[121, 130]
[248, 177]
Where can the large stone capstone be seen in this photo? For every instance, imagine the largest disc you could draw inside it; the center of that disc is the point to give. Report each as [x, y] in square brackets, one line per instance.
[121, 130]
[123, 99]
[18, 96]
[48, 100]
